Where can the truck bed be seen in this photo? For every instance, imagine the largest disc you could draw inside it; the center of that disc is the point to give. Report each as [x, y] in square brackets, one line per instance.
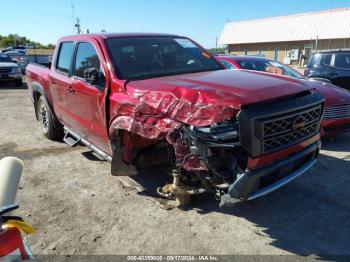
[37, 75]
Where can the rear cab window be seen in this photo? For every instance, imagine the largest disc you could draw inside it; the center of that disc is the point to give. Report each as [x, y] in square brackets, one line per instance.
[64, 58]
[342, 61]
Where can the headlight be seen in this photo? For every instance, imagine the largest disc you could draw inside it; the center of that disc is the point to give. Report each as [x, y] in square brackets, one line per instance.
[16, 70]
[224, 131]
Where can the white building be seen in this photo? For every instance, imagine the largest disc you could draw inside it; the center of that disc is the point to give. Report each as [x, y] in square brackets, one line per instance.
[289, 36]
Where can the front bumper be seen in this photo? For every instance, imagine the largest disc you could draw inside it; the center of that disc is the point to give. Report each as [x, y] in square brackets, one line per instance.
[335, 126]
[10, 76]
[336, 119]
[261, 181]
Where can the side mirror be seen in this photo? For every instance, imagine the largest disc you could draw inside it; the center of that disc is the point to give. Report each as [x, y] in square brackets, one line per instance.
[91, 75]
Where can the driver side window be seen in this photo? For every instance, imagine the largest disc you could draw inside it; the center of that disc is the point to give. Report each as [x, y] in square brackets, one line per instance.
[86, 60]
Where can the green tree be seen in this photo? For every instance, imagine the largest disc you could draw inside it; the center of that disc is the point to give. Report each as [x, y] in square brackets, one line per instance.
[13, 40]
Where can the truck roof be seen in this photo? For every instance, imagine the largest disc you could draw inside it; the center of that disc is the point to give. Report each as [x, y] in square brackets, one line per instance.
[111, 35]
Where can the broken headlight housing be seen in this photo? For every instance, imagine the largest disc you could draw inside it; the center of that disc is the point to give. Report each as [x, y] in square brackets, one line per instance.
[216, 146]
[223, 134]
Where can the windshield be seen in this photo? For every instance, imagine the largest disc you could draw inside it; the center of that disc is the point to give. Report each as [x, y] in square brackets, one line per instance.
[270, 67]
[147, 57]
[5, 58]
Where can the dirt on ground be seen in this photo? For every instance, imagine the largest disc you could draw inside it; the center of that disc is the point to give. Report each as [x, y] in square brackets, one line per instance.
[78, 208]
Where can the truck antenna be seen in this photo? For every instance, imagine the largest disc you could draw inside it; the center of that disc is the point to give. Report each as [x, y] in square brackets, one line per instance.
[73, 16]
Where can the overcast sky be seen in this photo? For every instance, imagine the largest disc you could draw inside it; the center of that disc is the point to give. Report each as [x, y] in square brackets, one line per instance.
[202, 20]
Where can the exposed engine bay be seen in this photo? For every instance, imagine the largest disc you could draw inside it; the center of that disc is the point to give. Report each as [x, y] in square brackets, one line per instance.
[200, 159]
[210, 156]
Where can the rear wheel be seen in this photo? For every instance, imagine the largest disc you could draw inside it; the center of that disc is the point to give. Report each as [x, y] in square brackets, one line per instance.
[51, 129]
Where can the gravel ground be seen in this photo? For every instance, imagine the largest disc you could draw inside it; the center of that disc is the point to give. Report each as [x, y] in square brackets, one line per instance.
[78, 208]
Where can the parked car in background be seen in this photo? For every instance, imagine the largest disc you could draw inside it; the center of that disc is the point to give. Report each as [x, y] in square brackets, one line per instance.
[6, 49]
[139, 100]
[336, 118]
[20, 57]
[331, 65]
[20, 49]
[9, 70]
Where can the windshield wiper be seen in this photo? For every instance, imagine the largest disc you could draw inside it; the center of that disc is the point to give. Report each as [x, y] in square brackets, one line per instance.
[144, 77]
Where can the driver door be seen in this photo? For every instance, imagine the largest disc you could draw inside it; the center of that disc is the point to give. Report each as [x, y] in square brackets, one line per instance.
[87, 98]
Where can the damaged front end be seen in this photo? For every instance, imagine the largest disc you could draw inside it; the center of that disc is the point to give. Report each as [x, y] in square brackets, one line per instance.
[211, 145]
[283, 138]
[246, 157]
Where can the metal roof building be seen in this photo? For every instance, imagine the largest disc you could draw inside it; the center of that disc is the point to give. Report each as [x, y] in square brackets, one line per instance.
[331, 28]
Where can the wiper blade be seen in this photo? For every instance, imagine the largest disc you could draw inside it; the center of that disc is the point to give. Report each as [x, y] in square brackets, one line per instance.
[143, 77]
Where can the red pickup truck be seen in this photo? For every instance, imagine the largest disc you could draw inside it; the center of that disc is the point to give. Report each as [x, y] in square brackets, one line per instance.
[141, 100]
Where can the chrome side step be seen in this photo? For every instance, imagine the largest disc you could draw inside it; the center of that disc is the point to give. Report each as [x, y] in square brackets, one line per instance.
[73, 139]
[70, 139]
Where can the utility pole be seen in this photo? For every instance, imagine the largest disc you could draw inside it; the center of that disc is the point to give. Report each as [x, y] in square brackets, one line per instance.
[77, 25]
[15, 37]
[216, 43]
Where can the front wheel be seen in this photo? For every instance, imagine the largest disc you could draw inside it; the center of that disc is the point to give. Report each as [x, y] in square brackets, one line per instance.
[51, 129]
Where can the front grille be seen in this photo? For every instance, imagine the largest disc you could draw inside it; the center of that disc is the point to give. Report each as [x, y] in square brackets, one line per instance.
[279, 133]
[5, 70]
[336, 112]
[274, 126]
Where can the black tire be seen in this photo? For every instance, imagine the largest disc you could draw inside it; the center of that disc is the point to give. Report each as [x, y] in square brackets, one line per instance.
[51, 129]
[19, 82]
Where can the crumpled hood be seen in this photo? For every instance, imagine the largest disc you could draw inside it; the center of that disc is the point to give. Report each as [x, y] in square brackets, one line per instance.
[333, 95]
[236, 87]
[160, 105]
[8, 64]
